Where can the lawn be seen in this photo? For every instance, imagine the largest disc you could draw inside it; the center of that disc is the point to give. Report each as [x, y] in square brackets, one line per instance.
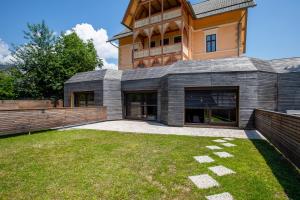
[85, 164]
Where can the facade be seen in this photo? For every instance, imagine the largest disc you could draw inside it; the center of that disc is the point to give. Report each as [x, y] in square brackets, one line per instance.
[161, 32]
[216, 92]
[182, 64]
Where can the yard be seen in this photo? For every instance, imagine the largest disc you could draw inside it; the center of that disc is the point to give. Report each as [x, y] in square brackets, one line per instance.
[86, 164]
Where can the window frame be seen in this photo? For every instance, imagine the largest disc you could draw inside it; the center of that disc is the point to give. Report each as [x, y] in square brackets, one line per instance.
[86, 98]
[174, 39]
[209, 41]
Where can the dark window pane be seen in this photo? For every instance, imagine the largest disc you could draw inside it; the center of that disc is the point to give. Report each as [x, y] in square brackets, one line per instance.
[177, 39]
[213, 37]
[83, 99]
[152, 44]
[223, 115]
[166, 41]
[141, 105]
[211, 43]
[208, 38]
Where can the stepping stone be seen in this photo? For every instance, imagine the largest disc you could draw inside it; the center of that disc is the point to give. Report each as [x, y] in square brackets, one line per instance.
[204, 181]
[213, 147]
[221, 170]
[223, 196]
[223, 154]
[204, 159]
[228, 144]
[219, 141]
[229, 139]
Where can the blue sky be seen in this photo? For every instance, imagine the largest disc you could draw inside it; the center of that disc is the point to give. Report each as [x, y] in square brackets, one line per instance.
[273, 26]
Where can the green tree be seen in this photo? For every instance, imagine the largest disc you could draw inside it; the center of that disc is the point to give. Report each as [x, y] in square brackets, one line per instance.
[45, 62]
[6, 86]
[33, 62]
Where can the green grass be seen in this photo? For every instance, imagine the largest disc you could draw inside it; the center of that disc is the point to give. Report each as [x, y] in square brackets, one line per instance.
[107, 165]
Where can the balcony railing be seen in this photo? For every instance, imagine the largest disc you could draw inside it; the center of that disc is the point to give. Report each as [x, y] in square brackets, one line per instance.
[172, 48]
[155, 51]
[141, 54]
[157, 18]
[175, 48]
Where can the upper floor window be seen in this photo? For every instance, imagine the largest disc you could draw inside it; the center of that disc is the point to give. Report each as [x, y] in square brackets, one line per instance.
[166, 41]
[152, 44]
[177, 39]
[211, 43]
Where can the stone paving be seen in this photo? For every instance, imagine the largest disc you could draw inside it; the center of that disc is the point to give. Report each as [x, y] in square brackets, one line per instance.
[223, 154]
[205, 181]
[221, 170]
[214, 147]
[204, 159]
[157, 128]
[228, 144]
[219, 141]
[223, 196]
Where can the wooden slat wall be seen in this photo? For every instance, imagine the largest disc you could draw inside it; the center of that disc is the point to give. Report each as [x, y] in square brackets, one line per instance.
[30, 120]
[282, 130]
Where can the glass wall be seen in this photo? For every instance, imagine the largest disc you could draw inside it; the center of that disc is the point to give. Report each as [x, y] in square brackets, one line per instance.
[84, 99]
[141, 105]
[216, 106]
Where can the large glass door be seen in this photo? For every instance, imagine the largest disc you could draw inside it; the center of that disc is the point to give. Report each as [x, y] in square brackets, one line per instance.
[214, 106]
[141, 105]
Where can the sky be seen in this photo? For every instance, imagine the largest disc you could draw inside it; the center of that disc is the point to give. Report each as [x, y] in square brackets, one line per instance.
[273, 26]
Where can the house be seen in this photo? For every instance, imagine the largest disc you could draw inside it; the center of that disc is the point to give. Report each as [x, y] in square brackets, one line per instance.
[161, 32]
[183, 64]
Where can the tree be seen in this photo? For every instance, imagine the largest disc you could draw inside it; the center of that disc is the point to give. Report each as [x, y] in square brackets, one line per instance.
[46, 62]
[6, 85]
[33, 61]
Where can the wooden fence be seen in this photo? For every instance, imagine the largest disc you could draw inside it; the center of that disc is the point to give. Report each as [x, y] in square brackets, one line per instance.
[282, 130]
[29, 104]
[30, 120]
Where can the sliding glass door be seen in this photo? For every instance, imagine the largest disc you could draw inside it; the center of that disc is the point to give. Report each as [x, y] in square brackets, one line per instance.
[211, 106]
[141, 105]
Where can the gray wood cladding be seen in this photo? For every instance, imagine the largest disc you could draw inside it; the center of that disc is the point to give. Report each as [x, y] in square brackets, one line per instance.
[288, 92]
[30, 120]
[282, 130]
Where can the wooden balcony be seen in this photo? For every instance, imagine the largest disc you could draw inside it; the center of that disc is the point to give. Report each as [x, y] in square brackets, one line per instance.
[171, 14]
[155, 51]
[175, 48]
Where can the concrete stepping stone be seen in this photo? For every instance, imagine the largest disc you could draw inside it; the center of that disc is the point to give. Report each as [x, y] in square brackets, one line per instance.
[221, 170]
[228, 144]
[229, 139]
[214, 147]
[204, 159]
[223, 154]
[204, 181]
[219, 141]
[223, 196]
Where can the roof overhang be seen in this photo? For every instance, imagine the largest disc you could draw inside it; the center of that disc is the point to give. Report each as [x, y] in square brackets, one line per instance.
[129, 14]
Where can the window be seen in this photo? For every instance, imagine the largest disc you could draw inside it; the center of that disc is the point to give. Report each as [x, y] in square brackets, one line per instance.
[177, 39]
[141, 105]
[84, 99]
[211, 43]
[166, 41]
[152, 44]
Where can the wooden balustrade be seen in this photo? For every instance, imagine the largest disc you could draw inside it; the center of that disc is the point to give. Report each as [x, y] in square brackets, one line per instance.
[174, 48]
[167, 15]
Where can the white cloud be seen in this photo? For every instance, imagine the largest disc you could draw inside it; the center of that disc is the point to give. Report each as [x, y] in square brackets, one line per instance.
[5, 54]
[104, 50]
